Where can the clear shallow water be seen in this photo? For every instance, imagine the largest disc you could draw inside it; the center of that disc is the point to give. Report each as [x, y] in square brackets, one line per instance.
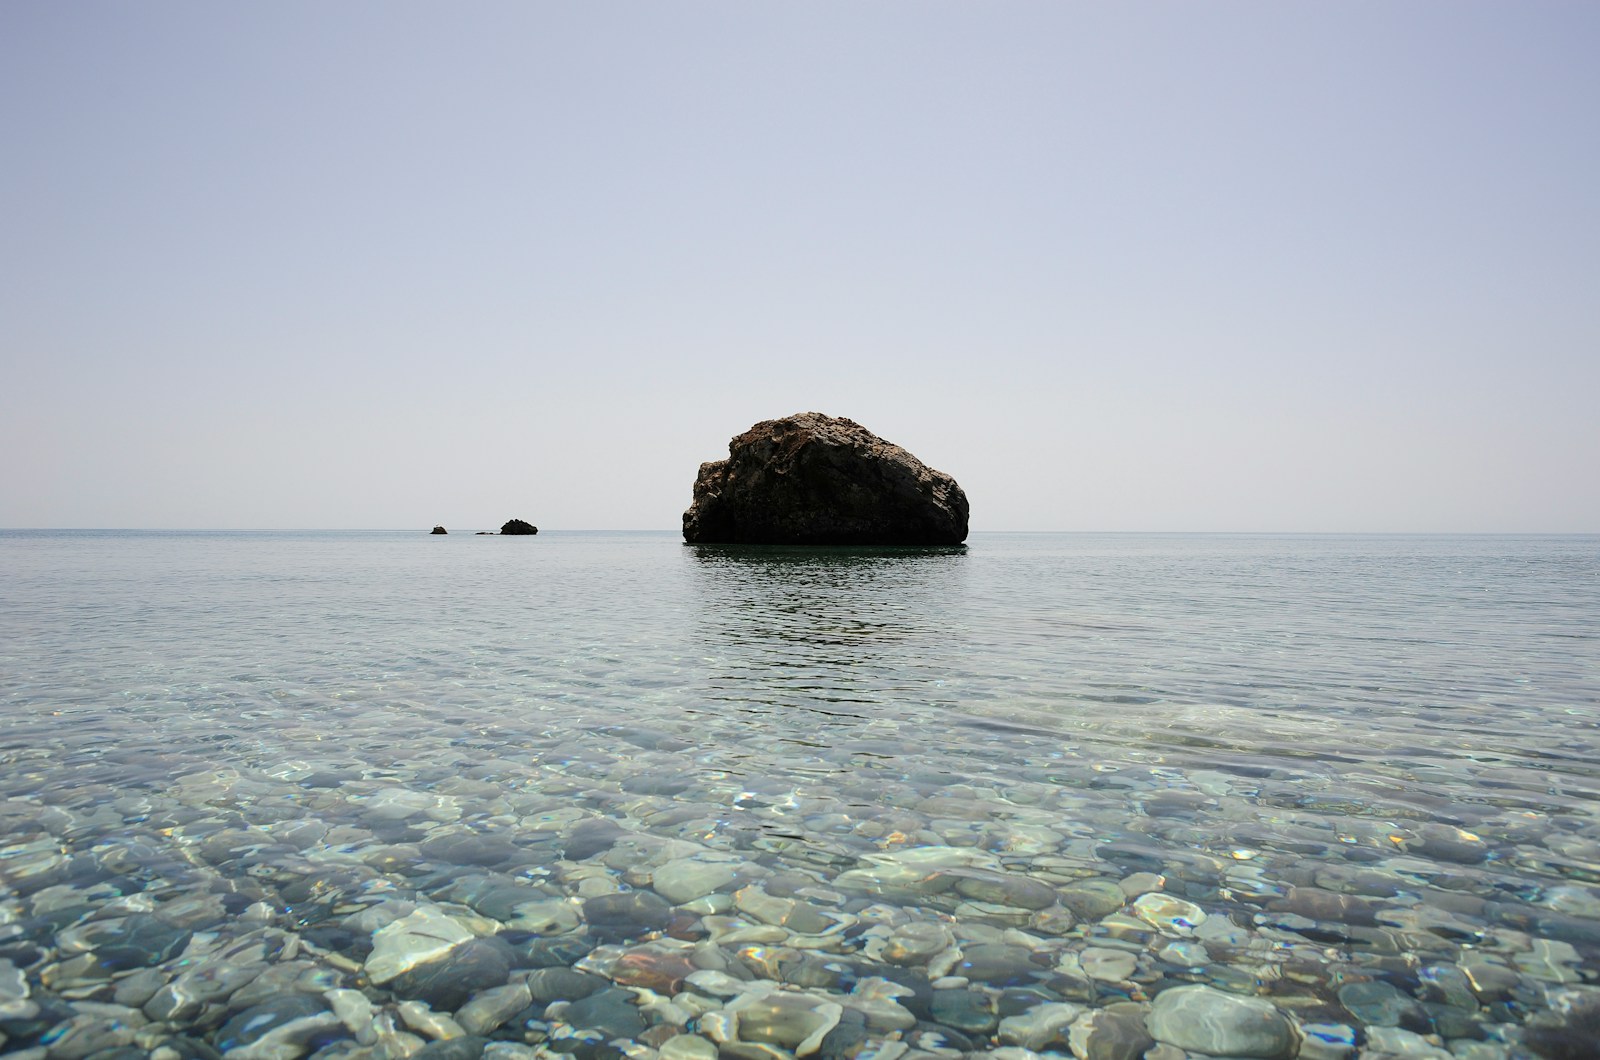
[1353, 777]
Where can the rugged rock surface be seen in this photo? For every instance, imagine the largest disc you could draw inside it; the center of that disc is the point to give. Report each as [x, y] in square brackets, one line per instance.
[810, 479]
[518, 526]
[438, 530]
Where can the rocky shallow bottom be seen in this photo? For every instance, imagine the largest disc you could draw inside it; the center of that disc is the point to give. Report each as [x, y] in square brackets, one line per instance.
[617, 891]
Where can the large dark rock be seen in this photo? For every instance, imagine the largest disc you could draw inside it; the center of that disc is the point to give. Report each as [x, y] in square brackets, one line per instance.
[438, 530]
[518, 526]
[810, 479]
[447, 982]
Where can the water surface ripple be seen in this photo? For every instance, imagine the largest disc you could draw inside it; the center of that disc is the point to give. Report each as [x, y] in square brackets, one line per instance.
[916, 801]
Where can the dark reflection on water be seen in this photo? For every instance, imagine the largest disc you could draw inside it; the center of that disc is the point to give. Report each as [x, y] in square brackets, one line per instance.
[820, 628]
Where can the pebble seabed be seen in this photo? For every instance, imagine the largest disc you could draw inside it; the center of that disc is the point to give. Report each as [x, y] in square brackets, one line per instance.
[610, 894]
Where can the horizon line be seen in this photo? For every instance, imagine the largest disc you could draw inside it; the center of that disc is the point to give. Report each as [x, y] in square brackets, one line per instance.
[660, 530]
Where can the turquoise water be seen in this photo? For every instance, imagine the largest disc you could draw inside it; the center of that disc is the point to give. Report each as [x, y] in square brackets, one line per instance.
[1352, 779]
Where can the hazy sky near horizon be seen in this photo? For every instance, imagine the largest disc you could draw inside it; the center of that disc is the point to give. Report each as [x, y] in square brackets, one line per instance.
[1131, 266]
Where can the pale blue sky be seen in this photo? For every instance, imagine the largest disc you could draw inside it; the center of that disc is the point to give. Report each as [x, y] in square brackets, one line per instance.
[1117, 266]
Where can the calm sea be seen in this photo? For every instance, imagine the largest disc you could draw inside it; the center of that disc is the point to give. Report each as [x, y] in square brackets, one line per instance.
[1351, 778]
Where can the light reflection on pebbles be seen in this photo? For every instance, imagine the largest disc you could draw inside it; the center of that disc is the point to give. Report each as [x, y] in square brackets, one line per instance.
[394, 866]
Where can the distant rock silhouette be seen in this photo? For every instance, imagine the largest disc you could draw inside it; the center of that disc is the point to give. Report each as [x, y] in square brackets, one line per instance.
[518, 526]
[811, 479]
[438, 530]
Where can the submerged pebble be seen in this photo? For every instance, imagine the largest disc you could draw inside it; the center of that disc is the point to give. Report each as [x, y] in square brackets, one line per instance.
[1206, 1020]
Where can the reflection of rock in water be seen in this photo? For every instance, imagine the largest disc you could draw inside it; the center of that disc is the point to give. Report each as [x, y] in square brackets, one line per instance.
[822, 594]
[808, 627]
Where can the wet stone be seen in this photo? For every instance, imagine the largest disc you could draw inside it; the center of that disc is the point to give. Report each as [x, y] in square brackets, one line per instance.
[422, 1019]
[489, 1009]
[14, 991]
[1093, 899]
[1056, 920]
[1137, 884]
[1568, 1035]
[1574, 900]
[1449, 1022]
[211, 982]
[1168, 914]
[88, 1034]
[592, 836]
[878, 1001]
[940, 1041]
[469, 848]
[798, 1022]
[818, 973]
[562, 984]
[138, 942]
[998, 964]
[1489, 981]
[687, 1047]
[277, 979]
[353, 1008]
[630, 914]
[447, 982]
[288, 1021]
[132, 990]
[1449, 985]
[1113, 1033]
[495, 899]
[1040, 1027]
[421, 936]
[352, 944]
[1316, 904]
[467, 1047]
[1445, 843]
[1380, 1004]
[1206, 1020]
[655, 784]
[795, 915]
[1185, 953]
[126, 1052]
[917, 943]
[714, 983]
[552, 952]
[686, 879]
[1002, 888]
[1401, 1044]
[610, 1011]
[1576, 930]
[1549, 961]
[1327, 1041]
[85, 971]
[660, 970]
[1108, 965]
[1016, 1000]
[965, 1010]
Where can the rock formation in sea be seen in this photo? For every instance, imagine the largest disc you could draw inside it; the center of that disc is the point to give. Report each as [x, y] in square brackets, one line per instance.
[438, 530]
[811, 479]
[518, 526]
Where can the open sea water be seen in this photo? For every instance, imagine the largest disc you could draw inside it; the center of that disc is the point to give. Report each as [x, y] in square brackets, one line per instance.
[380, 794]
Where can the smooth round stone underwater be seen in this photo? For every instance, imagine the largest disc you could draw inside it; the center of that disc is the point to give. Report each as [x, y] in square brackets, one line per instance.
[1106, 796]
